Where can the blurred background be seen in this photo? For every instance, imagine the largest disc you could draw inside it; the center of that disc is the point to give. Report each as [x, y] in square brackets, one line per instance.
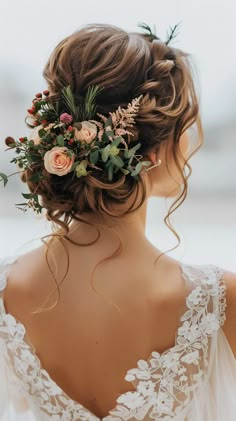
[29, 31]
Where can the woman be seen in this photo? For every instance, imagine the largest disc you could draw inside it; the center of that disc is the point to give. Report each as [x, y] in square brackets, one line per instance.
[131, 334]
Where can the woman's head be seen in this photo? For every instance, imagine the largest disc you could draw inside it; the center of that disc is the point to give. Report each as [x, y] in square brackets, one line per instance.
[126, 65]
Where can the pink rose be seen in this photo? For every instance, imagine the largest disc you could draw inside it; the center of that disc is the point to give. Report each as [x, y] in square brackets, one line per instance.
[58, 161]
[87, 133]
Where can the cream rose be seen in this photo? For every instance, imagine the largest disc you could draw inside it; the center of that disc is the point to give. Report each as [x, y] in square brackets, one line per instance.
[35, 136]
[57, 161]
[35, 133]
[87, 133]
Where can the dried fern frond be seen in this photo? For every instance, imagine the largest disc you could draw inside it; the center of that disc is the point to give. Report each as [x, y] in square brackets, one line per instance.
[124, 117]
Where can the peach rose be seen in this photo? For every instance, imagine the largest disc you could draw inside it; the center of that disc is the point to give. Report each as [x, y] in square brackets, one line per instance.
[87, 133]
[57, 161]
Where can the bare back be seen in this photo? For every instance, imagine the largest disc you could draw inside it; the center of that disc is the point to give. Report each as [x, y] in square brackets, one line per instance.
[84, 343]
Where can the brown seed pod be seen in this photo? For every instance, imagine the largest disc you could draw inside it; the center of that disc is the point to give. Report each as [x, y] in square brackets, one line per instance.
[9, 141]
[78, 126]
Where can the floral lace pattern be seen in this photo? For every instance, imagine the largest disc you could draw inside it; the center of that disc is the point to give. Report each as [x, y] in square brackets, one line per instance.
[164, 383]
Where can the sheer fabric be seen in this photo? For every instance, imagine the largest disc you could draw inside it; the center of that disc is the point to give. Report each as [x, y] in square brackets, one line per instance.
[193, 381]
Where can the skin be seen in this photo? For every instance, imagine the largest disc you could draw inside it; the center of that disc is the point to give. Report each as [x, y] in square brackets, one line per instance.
[84, 343]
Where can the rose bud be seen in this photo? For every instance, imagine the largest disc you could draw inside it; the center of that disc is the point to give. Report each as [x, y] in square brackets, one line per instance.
[70, 129]
[35, 123]
[39, 95]
[9, 141]
[23, 139]
[71, 141]
[44, 122]
[46, 92]
[30, 111]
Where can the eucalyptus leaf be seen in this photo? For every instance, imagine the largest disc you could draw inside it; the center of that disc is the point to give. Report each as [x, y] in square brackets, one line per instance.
[4, 178]
[134, 149]
[117, 161]
[60, 140]
[105, 153]
[27, 195]
[94, 156]
[21, 204]
[137, 169]
[110, 172]
[124, 171]
[109, 122]
[126, 153]
[131, 159]
[116, 141]
[110, 133]
[105, 138]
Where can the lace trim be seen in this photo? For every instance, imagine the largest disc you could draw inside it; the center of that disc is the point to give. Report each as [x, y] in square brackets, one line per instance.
[222, 297]
[43, 391]
[165, 382]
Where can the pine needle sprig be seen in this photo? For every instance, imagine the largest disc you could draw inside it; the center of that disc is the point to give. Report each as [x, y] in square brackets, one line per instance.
[173, 33]
[146, 27]
[85, 110]
[152, 33]
[69, 100]
[89, 109]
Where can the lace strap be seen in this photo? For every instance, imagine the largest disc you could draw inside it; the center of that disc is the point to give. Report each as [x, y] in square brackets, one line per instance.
[221, 296]
[210, 279]
[4, 269]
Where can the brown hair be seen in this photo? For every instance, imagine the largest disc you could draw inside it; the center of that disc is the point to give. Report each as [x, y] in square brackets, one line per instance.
[125, 64]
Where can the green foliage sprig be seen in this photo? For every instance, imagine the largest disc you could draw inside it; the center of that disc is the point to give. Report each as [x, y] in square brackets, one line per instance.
[67, 139]
[152, 33]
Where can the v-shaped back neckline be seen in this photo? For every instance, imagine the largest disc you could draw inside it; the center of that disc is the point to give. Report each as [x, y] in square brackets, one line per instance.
[142, 363]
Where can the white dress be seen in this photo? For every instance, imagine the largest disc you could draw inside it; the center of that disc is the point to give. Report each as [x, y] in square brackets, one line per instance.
[195, 380]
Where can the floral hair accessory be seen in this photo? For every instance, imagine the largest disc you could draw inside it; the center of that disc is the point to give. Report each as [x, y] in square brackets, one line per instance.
[67, 140]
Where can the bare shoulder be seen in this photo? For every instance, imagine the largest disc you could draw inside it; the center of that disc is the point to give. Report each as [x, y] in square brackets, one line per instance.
[229, 326]
[22, 279]
[172, 285]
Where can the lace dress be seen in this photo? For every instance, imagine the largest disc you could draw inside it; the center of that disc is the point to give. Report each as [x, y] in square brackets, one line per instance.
[195, 380]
